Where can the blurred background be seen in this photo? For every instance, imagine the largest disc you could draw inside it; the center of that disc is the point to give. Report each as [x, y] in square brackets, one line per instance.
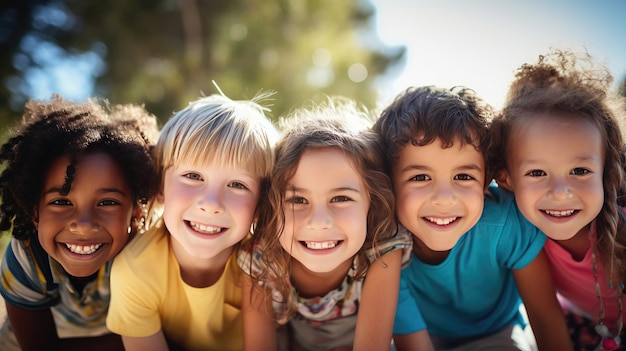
[165, 53]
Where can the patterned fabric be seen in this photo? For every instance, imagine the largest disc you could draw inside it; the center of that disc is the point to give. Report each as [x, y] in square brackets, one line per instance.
[30, 279]
[329, 321]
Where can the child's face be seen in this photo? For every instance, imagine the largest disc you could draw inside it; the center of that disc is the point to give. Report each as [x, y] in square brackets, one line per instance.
[439, 191]
[208, 208]
[89, 226]
[555, 167]
[326, 208]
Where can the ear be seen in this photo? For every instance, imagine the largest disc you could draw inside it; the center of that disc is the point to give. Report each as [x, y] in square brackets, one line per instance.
[36, 218]
[159, 198]
[504, 180]
[137, 212]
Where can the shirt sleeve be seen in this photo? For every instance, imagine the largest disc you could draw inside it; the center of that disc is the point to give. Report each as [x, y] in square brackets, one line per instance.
[400, 241]
[23, 284]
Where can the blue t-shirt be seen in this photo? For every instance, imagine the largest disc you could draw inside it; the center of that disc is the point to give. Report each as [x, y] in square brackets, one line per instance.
[473, 291]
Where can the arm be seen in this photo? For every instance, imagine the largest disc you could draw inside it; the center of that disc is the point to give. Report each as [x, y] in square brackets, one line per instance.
[154, 342]
[544, 312]
[259, 330]
[25, 321]
[379, 299]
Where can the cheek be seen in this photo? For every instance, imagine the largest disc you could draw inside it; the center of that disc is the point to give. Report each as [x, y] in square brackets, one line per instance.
[525, 200]
[286, 240]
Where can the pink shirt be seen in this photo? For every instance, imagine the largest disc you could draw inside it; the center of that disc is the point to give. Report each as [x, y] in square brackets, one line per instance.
[576, 286]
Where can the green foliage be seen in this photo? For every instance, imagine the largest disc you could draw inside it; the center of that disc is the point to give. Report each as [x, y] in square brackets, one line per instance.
[165, 53]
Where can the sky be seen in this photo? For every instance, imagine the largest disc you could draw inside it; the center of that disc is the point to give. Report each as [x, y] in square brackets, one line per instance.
[480, 43]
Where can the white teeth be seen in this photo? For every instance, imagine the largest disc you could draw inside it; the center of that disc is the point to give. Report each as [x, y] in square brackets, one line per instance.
[441, 221]
[320, 245]
[83, 250]
[560, 213]
[205, 229]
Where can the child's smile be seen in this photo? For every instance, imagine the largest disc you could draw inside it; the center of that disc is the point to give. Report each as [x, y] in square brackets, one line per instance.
[325, 214]
[560, 191]
[205, 229]
[439, 191]
[208, 208]
[88, 226]
[321, 245]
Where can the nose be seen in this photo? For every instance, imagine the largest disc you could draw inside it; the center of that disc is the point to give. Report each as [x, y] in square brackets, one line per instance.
[560, 189]
[320, 218]
[210, 201]
[84, 223]
[443, 194]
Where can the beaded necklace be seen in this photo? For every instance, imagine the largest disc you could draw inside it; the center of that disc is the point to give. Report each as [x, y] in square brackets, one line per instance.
[609, 343]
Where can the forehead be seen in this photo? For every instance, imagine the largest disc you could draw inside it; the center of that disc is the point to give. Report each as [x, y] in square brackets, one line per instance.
[92, 170]
[327, 167]
[556, 132]
[434, 157]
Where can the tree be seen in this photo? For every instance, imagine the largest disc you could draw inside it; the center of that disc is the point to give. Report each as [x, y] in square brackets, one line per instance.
[165, 53]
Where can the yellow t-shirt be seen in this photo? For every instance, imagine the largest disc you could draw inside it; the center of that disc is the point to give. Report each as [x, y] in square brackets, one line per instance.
[148, 294]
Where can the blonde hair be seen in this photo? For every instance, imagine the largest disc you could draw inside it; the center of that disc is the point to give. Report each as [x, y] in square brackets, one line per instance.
[216, 129]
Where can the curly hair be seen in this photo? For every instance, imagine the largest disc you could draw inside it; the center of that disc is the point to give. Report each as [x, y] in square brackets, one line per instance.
[338, 123]
[422, 115]
[576, 86]
[58, 127]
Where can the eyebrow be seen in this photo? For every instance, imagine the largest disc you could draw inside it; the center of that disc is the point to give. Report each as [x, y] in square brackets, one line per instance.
[467, 167]
[582, 158]
[344, 188]
[57, 190]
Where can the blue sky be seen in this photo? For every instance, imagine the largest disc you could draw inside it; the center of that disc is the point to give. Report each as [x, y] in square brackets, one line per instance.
[480, 43]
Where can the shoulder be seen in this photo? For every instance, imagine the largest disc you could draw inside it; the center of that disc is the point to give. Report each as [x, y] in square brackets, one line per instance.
[500, 212]
[154, 240]
[499, 204]
[27, 257]
[26, 275]
[400, 241]
[146, 252]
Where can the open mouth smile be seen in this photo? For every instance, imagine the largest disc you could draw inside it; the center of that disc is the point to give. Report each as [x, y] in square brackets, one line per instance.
[321, 245]
[441, 221]
[205, 229]
[566, 213]
[83, 249]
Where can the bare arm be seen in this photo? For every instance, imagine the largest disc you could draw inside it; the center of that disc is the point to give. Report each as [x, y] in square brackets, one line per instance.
[154, 342]
[544, 312]
[379, 300]
[259, 330]
[25, 321]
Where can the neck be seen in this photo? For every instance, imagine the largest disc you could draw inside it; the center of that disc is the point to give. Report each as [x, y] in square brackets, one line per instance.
[578, 245]
[311, 284]
[426, 255]
[200, 272]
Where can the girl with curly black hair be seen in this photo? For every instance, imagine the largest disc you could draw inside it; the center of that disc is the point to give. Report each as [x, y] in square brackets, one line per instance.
[76, 182]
